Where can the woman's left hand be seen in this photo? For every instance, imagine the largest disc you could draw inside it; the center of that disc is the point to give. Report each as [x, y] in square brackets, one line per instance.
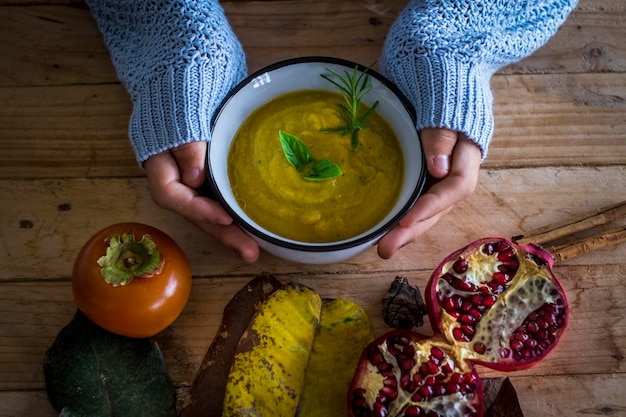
[454, 160]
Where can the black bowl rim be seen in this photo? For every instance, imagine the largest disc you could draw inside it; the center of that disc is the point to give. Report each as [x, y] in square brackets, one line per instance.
[312, 246]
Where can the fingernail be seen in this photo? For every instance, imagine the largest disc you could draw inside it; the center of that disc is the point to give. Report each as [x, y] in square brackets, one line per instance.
[442, 162]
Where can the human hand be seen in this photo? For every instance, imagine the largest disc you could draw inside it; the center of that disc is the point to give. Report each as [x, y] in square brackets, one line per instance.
[174, 176]
[451, 158]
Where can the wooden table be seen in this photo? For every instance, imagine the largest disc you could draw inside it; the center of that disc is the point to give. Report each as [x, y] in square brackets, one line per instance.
[67, 170]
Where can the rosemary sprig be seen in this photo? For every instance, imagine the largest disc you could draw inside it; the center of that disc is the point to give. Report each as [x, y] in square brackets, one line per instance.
[353, 87]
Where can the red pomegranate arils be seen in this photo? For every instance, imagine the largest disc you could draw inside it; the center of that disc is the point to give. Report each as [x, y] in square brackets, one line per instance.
[492, 303]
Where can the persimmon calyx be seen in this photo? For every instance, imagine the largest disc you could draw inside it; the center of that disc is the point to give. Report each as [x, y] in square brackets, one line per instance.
[127, 259]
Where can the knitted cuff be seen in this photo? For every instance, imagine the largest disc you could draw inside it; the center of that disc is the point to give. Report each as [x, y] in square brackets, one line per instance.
[176, 107]
[447, 93]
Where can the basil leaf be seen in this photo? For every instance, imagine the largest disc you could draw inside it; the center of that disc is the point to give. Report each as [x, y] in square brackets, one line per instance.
[297, 152]
[323, 170]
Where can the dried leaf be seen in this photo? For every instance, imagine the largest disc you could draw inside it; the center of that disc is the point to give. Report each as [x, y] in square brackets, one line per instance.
[501, 398]
[207, 392]
[92, 372]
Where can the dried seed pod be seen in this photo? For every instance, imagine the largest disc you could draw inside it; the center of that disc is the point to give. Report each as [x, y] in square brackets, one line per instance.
[403, 306]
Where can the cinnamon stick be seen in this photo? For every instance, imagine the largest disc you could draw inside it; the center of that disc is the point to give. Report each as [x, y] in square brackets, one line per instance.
[601, 240]
[555, 231]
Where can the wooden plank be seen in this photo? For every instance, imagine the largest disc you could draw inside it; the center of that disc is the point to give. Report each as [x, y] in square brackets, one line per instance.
[590, 346]
[543, 396]
[66, 131]
[57, 42]
[541, 120]
[590, 40]
[42, 239]
[64, 108]
[558, 120]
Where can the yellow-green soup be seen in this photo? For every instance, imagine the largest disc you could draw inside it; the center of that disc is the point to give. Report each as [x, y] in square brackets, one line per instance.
[276, 196]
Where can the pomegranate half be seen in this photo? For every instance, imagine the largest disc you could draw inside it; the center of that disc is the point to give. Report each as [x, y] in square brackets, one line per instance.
[492, 303]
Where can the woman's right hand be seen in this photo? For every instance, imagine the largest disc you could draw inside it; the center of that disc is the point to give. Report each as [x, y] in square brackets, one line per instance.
[174, 176]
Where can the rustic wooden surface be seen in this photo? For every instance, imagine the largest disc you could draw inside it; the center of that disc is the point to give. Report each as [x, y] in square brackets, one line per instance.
[66, 170]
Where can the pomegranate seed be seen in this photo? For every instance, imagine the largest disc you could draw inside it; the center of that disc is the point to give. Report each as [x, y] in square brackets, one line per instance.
[476, 314]
[489, 300]
[409, 350]
[457, 378]
[531, 343]
[450, 303]
[480, 348]
[439, 389]
[509, 266]
[502, 246]
[517, 345]
[404, 380]
[379, 410]
[460, 266]
[375, 357]
[428, 368]
[506, 255]
[426, 391]
[488, 249]
[447, 368]
[390, 382]
[453, 387]
[413, 411]
[495, 287]
[390, 394]
[407, 364]
[520, 336]
[417, 397]
[501, 277]
[417, 379]
[384, 366]
[458, 335]
[467, 319]
[466, 305]
[467, 286]
[437, 353]
[468, 330]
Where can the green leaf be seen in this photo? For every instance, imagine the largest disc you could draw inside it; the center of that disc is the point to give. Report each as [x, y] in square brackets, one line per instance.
[323, 170]
[92, 372]
[299, 155]
[297, 152]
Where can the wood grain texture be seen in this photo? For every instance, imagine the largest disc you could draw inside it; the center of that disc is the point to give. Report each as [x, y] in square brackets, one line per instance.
[64, 108]
[67, 170]
[39, 240]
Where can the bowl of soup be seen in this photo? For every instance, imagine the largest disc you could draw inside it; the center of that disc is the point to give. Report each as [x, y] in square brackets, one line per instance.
[310, 177]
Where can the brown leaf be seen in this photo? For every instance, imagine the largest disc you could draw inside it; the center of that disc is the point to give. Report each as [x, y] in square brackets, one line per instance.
[501, 398]
[207, 391]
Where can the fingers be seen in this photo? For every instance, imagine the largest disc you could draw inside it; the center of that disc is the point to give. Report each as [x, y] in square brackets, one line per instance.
[167, 190]
[235, 238]
[455, 187]
[438, 200]
[191, 158]
[438, 145]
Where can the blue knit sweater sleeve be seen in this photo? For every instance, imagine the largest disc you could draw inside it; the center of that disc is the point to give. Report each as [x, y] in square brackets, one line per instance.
[442, 55]
[177, 59]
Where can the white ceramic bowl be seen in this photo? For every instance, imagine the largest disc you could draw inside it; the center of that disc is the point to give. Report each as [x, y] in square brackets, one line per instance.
[303, 74]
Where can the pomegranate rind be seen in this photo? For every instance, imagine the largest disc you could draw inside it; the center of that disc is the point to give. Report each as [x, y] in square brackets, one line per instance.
[482, 296]
[400, 372]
